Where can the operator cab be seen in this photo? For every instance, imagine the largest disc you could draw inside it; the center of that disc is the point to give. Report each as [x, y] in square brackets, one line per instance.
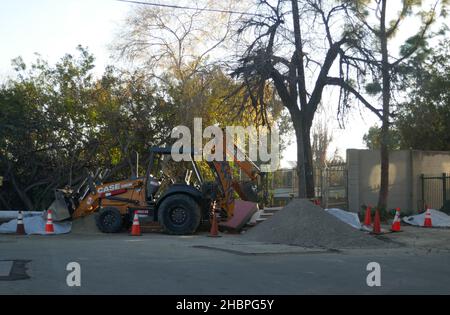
[164, 172]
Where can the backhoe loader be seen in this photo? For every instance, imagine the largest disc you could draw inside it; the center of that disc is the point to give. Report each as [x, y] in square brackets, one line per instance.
[174, 199]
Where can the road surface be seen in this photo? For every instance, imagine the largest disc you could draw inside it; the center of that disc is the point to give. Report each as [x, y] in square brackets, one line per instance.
[161, 264]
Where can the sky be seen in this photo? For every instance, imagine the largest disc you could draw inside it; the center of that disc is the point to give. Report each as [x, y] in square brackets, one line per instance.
[53, 28]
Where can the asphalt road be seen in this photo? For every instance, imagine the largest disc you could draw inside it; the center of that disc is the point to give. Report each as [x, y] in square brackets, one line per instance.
[160, 264]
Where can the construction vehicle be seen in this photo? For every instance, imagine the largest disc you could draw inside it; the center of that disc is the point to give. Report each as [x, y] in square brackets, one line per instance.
[178, 203]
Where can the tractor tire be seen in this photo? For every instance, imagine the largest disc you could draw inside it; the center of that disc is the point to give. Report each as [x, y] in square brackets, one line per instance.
[109, 220]
[179, 214]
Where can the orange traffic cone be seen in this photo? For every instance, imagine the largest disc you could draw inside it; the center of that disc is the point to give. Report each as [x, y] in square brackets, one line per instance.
[427, 222]
[368, 217]
[136, 228]
[20, 230]
[214, 232]
[396, 223]
[377, 223]
[49, 229]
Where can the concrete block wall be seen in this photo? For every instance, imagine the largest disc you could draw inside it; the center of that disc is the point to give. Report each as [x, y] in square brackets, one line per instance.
[405, 169]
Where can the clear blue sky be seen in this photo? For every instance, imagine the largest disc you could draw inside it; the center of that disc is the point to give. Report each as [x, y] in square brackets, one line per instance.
[55, 27]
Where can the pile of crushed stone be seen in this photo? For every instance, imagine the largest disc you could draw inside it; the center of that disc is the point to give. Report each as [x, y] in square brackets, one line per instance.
[85, 225]
[304, 224]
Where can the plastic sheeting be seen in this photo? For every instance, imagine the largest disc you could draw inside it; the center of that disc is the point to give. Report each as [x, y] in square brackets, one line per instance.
[438, 219]
[35, 225]
[350, 218]
[12, 214]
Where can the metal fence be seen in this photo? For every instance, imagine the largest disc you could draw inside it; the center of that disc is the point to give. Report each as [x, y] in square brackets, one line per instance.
[435, 190]
[330, 186]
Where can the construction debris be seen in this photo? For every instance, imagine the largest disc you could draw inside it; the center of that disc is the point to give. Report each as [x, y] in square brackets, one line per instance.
[439, 219]
[304, 224]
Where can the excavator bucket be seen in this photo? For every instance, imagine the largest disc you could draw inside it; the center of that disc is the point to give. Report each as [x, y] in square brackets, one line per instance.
[59, 207]
[243, 211]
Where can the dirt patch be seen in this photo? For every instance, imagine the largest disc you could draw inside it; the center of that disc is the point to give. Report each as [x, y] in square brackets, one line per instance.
[304, 224]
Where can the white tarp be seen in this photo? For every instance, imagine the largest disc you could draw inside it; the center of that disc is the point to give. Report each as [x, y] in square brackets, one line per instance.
[12, 214]
[350, 218]
[438, 219]
[35, 225]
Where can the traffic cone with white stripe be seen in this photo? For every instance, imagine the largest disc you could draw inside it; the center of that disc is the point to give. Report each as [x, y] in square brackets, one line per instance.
[136, 227]
[396, 223]
[20, 230]
[49, 229]
[427, 222]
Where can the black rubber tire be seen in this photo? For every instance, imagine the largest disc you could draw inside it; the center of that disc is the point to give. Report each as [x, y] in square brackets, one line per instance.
[179, 214]
[109, 220]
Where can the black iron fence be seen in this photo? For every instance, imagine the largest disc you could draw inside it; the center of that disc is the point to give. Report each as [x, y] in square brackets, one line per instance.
[435, 190]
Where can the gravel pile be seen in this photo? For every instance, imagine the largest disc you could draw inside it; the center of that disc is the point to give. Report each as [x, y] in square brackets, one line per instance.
[85, 225]
[304, 224]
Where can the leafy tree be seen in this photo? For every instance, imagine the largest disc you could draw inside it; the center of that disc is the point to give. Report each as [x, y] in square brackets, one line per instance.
[372, 139]
[423, 119]
[376, 65]
[57, 122]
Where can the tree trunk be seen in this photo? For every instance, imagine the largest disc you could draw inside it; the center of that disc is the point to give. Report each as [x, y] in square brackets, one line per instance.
[309, 167]
[304, 152]
[384, 149]
[302, 183]
[384, 184]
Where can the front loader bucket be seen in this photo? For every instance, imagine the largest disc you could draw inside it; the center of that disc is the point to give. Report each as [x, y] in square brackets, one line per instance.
[59, 207]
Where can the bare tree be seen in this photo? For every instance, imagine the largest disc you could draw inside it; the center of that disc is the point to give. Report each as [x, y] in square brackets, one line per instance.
[295, 47]
[322, 138]
[173, 40]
